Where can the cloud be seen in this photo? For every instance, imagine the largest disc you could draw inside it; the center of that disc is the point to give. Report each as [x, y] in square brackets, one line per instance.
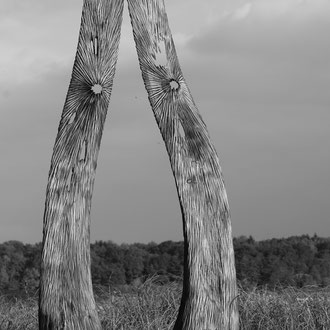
[34, 38]
[241, 30]
[241, 12]
[278, 61]
[274, 10]
[268, 9]
[258, 71]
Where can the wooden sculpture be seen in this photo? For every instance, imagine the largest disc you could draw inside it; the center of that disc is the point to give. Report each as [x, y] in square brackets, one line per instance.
[209, 284]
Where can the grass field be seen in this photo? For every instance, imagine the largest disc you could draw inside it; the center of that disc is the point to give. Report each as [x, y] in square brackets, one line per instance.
[153, 306]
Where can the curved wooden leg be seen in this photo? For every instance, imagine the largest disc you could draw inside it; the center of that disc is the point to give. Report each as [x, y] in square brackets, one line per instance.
[209, 289]
[66, 295]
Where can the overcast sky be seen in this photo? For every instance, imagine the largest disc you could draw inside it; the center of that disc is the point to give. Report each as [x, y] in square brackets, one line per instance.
[259, 72]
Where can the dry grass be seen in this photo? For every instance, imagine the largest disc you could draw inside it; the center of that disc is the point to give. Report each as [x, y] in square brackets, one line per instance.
[153, 306]
[288, 308]
[18, 314]
[150, 306]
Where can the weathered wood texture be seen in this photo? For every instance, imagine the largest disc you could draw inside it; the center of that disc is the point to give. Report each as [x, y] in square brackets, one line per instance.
[209, 289]
[66, 296]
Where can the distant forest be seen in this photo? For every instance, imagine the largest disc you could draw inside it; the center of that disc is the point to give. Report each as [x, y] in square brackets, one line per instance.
[295, 261]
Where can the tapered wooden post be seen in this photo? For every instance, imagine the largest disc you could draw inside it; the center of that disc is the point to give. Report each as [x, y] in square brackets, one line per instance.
[66, 296]
[209, 289]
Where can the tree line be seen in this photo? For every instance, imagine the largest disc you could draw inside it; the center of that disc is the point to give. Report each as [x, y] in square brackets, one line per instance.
[295, 261]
